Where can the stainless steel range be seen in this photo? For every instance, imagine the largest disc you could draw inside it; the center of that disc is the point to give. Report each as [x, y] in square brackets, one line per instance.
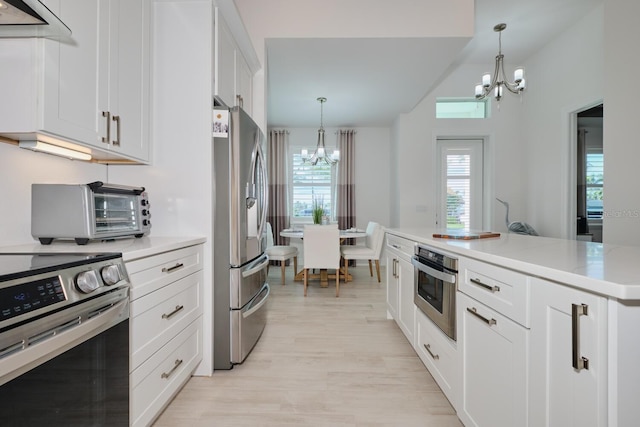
[64, 340]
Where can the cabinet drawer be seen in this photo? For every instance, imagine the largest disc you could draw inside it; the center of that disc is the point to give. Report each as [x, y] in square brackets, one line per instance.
[157, 380]
[401, 245]
[501, 289]
[438, 354]
[159, 316]
[151, 273]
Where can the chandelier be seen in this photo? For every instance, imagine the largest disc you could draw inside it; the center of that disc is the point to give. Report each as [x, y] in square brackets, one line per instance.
[499, 80]
[321, 153]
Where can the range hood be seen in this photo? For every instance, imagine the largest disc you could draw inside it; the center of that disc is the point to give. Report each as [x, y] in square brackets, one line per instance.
[30, 18]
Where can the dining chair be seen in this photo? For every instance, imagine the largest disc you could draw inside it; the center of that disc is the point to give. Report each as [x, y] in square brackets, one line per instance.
[321, 245]
[280, 253]
[370, 250]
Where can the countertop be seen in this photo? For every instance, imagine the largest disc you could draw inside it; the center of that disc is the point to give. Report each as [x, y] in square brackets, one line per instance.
[131, 248]
[609, 270]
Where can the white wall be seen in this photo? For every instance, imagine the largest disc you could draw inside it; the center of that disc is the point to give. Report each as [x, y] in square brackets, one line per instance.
[563, 77]
[414, 164]
[621, 223]
[19, 169]
[372, 172]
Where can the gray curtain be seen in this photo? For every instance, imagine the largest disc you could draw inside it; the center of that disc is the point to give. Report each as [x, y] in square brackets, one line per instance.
[277, 213]
[346, 187]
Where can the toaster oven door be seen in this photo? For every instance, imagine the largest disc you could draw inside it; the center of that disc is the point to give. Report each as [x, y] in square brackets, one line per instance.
[116, 213]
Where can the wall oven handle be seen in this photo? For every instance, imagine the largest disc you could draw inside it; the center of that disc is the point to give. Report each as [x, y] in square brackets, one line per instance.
[478, 282]
[577, 310]
[445, 277]
[489, 322]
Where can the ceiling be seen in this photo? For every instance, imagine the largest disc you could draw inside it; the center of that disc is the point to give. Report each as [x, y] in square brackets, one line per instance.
[368, 82]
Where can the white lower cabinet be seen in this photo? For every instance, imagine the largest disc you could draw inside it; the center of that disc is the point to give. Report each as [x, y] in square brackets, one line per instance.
[493, 352]
[165, 328]
[400, 284]
[568, 331]
[439, 354]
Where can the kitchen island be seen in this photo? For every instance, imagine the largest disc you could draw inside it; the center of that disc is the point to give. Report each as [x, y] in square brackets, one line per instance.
[546, 328]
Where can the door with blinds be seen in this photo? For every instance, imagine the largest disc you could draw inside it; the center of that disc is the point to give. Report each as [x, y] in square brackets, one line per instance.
[460, 184]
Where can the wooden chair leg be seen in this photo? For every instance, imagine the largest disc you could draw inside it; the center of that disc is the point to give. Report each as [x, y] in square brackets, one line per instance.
[378, 269]
[370, 269]
[306, 273]
[295, 266]
[282, 270]
[337, 282]
[346, 270]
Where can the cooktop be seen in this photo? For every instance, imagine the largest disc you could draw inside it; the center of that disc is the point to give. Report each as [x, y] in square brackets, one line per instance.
[18, 265]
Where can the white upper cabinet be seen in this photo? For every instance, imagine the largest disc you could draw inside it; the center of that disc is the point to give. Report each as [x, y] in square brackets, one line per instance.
[91, 90]
[233, 77]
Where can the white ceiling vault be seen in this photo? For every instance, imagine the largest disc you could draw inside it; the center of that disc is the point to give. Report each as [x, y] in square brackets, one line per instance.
[368, 78]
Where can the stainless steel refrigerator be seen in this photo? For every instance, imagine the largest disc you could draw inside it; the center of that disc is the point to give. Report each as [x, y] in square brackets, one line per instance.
[240, 283]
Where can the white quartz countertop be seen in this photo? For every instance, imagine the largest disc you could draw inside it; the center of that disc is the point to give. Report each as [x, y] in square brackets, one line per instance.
[131, 248]
[610, 270]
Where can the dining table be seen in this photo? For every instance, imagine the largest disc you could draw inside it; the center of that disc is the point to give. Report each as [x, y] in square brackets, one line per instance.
[323, 275]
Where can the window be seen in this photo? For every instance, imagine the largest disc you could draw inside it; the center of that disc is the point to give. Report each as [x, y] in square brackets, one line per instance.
[595, 179]
[309, 183]
[460, 184]
[461, 109]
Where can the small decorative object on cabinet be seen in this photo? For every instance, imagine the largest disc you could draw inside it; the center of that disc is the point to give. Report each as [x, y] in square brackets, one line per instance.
[166, 328]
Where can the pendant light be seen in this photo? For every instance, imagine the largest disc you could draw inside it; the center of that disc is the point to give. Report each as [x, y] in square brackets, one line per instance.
[321, 153]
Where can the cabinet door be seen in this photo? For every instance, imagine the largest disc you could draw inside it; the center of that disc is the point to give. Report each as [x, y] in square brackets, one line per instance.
[406, 315]
[244, 83]
[562, 395]
[493, 356]
[76, 72]
[129, 77]
[225, 68]
[392, 286]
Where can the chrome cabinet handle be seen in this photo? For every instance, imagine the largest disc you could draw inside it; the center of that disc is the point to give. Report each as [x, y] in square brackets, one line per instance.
[489, 322]
[428, 348]
[117, 140]
[168, 316]
[395, 268]
[483, 285]
[177, 363]
[107, 139]
[577, 310]
[239, 100]
[172, 269]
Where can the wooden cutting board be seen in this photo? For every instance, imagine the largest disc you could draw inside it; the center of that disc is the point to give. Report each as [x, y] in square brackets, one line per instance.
[466, 236]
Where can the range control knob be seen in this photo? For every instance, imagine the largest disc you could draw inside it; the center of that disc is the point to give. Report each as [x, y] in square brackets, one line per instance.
[111, 275]
[87, 281]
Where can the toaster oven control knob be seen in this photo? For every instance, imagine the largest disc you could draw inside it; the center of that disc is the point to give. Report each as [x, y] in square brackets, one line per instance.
[145, 212]
[144, 202]
[87, 281]
[146, 222]
[110, 275]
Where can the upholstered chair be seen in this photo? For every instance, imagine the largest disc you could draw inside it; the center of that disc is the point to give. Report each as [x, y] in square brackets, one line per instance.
[321, 245]
[281, 253]
[370, 250]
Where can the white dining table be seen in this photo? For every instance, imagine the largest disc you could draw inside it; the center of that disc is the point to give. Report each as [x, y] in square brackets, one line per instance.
[324, 276]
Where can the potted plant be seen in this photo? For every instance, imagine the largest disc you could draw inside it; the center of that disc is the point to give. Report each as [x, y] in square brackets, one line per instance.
[317, 210]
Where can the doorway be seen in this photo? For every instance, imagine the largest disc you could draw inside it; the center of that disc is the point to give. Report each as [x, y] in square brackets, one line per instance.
[589, 174]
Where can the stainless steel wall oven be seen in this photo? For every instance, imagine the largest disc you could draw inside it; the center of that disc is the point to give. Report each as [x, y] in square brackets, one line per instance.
[436, 275]
[64, 340]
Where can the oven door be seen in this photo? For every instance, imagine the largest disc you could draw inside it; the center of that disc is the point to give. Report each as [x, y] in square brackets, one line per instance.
[435, 295]
[80, 378]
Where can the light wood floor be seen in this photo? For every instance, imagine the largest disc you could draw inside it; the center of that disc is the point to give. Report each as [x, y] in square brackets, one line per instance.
[321, 361]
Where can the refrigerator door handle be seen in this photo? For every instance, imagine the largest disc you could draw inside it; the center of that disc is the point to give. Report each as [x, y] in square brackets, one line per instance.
[253, 308]
[255, 267]
[265, 186]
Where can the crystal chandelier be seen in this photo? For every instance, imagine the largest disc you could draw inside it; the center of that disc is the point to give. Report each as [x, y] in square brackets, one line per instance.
[499, 80]
[321, 153]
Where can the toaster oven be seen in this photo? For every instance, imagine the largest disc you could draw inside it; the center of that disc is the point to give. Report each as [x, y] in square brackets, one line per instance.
[84, 212]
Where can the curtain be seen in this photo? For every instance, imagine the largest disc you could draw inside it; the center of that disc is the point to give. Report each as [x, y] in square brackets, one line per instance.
[277, 213]
[346, 186]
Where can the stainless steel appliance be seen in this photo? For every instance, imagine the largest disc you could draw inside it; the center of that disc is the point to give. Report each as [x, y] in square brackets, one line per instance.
[94, 211]
[436, 276]
[64, 340]
[240, 264]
